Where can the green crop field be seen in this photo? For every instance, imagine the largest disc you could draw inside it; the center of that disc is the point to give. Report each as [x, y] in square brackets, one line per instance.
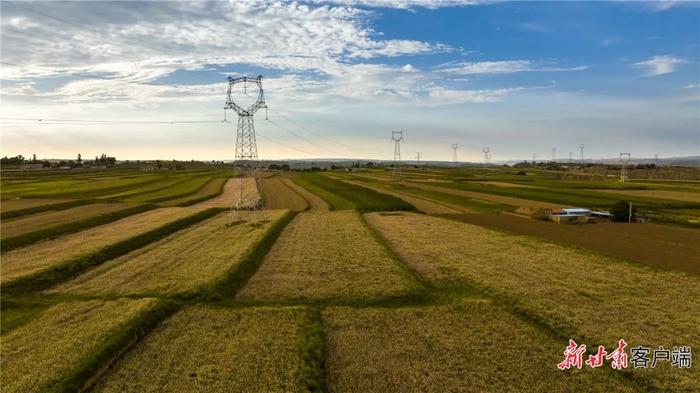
[371, 297]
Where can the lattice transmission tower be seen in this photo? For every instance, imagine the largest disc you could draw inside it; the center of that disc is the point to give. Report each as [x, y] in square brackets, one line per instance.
[487, 156]
[246, 154]
[397, 137]
[580, 152]
[454, 152]
[624, 161]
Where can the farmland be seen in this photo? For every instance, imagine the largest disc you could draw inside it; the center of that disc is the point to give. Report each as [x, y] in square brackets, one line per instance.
[337, 284]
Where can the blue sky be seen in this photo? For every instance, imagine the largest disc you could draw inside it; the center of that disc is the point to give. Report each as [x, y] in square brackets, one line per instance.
[519, 77]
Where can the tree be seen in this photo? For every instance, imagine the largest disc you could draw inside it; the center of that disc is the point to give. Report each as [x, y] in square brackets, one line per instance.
[80, 159]
[33, 158]
[621, 211]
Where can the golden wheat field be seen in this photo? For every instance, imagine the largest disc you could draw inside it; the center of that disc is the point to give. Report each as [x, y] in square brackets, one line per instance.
[208, 190]
[231, 196]
[46, 254]
[179, 264]
[470, 346]
[216, 350]
[578, 294]
[276, 194]
[9, 205]
[44, 353]
[315, 202]
[325, 256]
[34, 222]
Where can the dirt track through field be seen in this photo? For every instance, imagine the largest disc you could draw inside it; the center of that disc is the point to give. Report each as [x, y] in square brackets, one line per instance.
[277, 194]
[422, 205]
[231, 194]
[658, 245]
[519, 202]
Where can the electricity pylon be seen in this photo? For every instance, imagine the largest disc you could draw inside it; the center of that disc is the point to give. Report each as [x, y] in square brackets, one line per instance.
[580, 152]
[624, 161]
[417, 156]
[454, 152]
[397, 137]
[554, 153]
[487, 156]
[246, 154]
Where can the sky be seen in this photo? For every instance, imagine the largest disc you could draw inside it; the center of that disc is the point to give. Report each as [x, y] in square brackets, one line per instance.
[147, 80]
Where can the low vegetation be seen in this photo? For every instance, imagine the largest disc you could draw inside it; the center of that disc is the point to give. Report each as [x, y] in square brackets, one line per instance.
[186, 263]
[60, 348]
[343, 196]
[327, 257]
[51, 260]
[12, 208]
[472, 346]
[217, 349]
[577, 294]
[210, 190]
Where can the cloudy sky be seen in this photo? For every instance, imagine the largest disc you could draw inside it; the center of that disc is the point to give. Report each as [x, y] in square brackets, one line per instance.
[339, 76]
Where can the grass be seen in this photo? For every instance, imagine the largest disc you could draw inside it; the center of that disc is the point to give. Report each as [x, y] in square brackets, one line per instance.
[60, 348]
[185, 263]
[210, 190]
[68, 221]
[327, 257]
[47, 263]
[33, 208]
[217, 349]
[344, 196]
[472, 346]
[577, 294]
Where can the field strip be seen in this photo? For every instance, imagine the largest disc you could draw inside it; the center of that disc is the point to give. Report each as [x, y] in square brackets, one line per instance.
[65, 345]
[67, 204]
[520, 202]
[185, 263]
[25, 224]
[217, 350]
[8, 205]
[657, 194]
[231, 194]
[277, 195]
[315, 202]
[210, 190]
[45, 255]
[472, 346]
[575, 293]
[421, 204]
[327, 256]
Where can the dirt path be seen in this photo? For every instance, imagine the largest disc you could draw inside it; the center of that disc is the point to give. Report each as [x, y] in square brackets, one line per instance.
[231, 194]
[277, 194]
[315, 202]
[658, 245]
[519, 202]
[423, 205]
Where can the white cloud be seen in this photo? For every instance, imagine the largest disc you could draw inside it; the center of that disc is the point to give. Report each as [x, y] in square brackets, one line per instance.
[401, 4]
[506, 67]
[692, 86]
[660, 65]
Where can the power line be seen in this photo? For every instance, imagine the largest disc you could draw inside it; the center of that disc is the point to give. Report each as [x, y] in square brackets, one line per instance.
[25, 120]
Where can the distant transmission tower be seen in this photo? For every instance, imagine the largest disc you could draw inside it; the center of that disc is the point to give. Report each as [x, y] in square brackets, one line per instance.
[454, 152]
[246, 154]
[656, 159]
[554, 153]
[417, 156]
[534, 157]
[580, 152]
[397, 137]
[487, 156]
[624, 161]
[571, 157]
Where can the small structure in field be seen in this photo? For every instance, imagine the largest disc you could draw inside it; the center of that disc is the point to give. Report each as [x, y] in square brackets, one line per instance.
[573, 215]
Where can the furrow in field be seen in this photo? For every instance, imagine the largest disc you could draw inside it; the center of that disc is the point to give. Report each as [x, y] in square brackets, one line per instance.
[38, 257]
[216, 350]
[327, 256]
[51, 352]
[585, 296]
[182, 264]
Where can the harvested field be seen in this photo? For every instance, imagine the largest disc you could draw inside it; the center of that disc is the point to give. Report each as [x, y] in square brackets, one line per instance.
[660, 194]
[184, 263]
[210, 190]
[314, 201]
[507, 185]
[47, 254]
[34, 222]
[8, 205]
[216, 350]
[327, 256]
[526, 203]
[576, 294]
[277, 195]
[231, 195]
[46, 353]
[469, 347]
[421, 204]
[664, 246]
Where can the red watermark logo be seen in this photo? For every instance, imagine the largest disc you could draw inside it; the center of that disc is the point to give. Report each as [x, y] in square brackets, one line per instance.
[639, 356]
